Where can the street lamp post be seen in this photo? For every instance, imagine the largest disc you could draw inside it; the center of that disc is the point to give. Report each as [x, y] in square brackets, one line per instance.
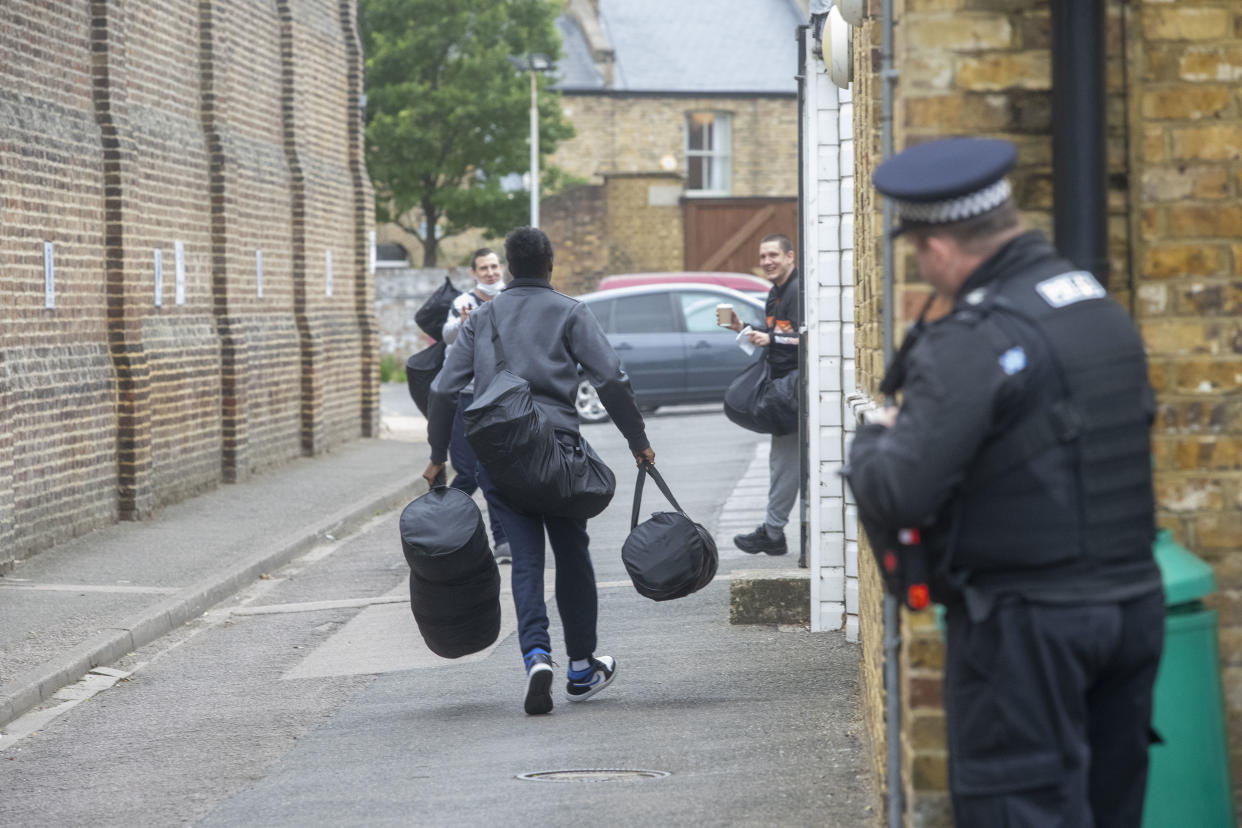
[534, 148]
[533, 64]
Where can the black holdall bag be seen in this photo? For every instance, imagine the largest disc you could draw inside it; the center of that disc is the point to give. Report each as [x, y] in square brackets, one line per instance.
[668, 555]
[433, 313]
[756, 402]
[421, 370]
[454, 580]
[536, 468]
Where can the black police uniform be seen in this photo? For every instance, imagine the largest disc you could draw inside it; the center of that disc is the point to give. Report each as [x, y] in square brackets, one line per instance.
[1022, 450]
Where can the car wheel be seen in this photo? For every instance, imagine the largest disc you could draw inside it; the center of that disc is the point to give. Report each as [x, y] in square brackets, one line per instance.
[590, 409]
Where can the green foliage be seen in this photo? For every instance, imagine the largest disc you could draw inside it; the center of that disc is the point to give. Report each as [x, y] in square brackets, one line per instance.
[448, 116]
[392, 369]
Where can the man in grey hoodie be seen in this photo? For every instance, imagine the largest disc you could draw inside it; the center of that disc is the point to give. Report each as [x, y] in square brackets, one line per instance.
[546, 337]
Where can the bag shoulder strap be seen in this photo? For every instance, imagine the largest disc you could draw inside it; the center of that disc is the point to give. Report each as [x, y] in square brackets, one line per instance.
[497, 348]
[644, 470]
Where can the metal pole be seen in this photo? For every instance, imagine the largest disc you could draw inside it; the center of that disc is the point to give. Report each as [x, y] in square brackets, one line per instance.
[534, 150]
[892, 612]
[804, 546]
[1079, 135]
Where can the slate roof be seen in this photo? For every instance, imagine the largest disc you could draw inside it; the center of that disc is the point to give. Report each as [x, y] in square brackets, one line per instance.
[689, 46]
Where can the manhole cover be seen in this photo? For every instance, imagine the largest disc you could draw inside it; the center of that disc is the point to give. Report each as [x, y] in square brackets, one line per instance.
[592, 775]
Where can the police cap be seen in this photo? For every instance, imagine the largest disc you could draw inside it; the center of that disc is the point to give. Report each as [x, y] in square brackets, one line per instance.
[946, 181]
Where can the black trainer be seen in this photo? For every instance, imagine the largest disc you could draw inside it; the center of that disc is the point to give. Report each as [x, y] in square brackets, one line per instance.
[759, 540]
[587, 683]
[538, 682]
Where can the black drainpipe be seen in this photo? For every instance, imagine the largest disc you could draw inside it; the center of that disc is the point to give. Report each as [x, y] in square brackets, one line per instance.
[1079, 151]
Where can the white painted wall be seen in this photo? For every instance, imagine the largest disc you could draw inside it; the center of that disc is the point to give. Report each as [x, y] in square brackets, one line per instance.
[828, 242]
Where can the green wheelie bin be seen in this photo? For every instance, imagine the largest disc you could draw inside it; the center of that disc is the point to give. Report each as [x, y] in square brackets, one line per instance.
[1188, 782]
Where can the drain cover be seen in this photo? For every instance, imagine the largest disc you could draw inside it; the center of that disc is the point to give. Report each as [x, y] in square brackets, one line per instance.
[592, 775]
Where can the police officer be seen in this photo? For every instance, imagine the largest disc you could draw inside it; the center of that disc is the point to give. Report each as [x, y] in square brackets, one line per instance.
[1021, 451]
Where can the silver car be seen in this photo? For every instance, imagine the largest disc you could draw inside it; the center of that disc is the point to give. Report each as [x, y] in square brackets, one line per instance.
[669, 343]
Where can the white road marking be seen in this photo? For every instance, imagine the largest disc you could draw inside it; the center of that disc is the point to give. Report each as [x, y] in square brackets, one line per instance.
[108, 588]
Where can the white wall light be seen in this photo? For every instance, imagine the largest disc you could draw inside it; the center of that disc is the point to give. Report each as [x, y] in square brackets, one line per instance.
[839, 49]
[854, 11]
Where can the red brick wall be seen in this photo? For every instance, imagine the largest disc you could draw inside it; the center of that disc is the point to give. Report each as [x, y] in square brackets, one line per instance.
[156, 180]
[227, 125]
[252, 212]
[57, 392]
[316, 131]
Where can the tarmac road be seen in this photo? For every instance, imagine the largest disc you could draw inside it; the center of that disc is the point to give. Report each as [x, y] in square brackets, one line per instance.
[309, 698]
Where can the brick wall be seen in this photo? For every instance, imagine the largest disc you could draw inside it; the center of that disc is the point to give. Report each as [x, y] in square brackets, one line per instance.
[869, 361]
[576, 223]
[128, 128]
[634, 133]
[157, 189]
[251, 220]
[1175, 143]
[58, 461]
[626, 225]
[644, 234]
[1186, 188]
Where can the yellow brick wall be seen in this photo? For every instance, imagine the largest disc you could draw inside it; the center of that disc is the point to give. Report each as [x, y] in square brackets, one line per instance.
[1175, 160]
[635, 134]
[1186, 188]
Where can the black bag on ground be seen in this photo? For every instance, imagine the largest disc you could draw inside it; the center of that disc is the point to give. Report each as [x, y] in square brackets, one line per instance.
[433, 313]
[535, 467]
[668, 555]
[454, 580]
[420, 370]
[756, 402]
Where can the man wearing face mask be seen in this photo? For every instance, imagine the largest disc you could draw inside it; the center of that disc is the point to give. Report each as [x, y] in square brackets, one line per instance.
[488, 276]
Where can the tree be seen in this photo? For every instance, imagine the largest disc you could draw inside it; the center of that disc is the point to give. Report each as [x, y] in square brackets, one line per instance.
[448, 116]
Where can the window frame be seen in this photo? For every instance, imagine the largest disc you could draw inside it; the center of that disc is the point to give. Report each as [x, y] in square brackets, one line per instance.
[722, 131]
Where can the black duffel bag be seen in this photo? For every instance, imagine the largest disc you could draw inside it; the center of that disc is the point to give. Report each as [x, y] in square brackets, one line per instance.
[420, 370]
[759, 403]
[460, 618]
[454, 580]
[443, 536]
[433, 313]
[668, 555]
[536, 468]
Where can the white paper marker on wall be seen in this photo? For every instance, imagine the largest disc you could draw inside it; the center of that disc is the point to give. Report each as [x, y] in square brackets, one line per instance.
[258, 272]
[327, 271]
[179, 258]
[159, 278]
[49, 280]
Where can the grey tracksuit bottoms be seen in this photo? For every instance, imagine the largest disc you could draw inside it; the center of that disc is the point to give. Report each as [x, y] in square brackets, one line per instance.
[785, 469]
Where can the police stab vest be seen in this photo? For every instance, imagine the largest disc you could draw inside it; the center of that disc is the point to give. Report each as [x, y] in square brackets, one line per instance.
[1071, 481]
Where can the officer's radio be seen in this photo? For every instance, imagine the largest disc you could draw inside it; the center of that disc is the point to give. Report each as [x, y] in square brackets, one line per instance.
[905, 569]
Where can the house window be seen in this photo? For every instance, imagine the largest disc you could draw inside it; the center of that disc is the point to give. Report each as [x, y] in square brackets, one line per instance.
[708, 143]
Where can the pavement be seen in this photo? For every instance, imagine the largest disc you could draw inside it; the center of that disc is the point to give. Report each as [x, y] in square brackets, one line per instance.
[71, 611]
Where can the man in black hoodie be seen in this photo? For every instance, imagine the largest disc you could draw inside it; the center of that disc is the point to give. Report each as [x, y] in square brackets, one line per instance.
[780, 337]
[546, 337]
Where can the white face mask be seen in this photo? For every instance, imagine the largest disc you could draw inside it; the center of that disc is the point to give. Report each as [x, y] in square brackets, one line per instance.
[490, 290]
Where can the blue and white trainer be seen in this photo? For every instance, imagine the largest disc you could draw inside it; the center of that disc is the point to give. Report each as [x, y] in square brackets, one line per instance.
[586, 683]
[538, 682]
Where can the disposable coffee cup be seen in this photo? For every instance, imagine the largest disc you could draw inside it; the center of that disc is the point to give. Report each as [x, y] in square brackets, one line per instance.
[724, 315]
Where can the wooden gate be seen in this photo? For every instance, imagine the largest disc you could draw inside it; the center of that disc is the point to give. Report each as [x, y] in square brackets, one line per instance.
[722, 234]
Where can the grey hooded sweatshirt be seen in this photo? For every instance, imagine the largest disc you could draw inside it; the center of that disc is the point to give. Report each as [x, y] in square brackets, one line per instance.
[545, 335]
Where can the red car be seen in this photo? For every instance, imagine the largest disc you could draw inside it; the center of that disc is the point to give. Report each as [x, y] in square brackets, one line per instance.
[745, 282]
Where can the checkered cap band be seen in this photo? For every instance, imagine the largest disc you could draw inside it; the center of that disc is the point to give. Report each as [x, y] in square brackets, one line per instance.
[956, 209]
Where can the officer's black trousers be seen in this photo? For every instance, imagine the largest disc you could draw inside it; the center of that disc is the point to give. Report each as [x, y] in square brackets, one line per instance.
[1049, 712]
